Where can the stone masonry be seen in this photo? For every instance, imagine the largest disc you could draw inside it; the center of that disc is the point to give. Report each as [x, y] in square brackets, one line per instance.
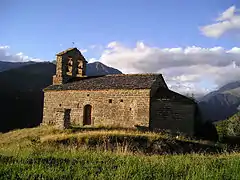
[126, 100]
[124, 108]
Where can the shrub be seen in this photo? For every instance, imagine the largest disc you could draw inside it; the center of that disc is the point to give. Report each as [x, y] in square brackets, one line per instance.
[207, 131]
[229, 127]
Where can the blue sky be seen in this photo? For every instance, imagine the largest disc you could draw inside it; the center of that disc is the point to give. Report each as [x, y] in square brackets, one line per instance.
[40, 29]
[37, 28]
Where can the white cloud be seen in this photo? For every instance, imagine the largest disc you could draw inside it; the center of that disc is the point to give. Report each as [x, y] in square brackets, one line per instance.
[190, 69]
[83, 50]
[4, 47]
[227, 21]
[234, 50]
[96, 47]
[5, 55]
[91, 60]
[228, 14]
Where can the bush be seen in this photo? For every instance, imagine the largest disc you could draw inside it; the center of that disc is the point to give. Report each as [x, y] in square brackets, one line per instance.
[233, 128]
[207, 131]
[229, 127]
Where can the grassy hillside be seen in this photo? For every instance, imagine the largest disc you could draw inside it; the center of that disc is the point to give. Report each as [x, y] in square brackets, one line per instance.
[85, 153]
[235, 91]
[112, 139]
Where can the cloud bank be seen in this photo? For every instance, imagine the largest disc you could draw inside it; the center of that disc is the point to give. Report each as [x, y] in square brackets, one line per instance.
[186, 70]
[228, 21]
[19, 57]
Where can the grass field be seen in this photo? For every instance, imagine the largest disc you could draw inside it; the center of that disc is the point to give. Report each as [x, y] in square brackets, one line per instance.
[45, 153]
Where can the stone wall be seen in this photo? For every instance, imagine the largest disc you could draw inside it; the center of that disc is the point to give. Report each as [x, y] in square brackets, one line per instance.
[125, 108]
[61, 118]
[172, 115]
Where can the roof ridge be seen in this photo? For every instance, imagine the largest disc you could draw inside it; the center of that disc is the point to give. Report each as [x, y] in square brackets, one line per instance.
[118, 81]
[139, 74]
[67, 50]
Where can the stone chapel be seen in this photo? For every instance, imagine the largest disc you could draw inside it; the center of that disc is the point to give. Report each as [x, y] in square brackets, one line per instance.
[122, 100]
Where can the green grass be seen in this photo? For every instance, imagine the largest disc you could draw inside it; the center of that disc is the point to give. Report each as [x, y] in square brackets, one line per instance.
[100, 165]
[39, 153]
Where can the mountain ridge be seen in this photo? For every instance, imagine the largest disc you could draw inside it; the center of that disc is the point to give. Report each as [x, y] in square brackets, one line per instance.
[5, 65]
[222, 103]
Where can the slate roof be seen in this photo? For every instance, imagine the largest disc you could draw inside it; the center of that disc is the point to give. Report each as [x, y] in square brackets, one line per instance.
[67, 50]
[119, 81]
[163, 93]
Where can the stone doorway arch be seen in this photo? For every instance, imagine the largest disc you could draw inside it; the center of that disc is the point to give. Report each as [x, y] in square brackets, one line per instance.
[87, 115]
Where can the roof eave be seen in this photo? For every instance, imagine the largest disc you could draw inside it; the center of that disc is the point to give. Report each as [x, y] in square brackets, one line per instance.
[65, 51]
[46, 89]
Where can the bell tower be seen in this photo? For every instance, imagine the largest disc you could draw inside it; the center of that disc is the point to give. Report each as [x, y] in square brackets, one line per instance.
[69, 64]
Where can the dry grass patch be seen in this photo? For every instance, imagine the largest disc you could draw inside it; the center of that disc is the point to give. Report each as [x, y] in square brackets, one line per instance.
[103, 134]
[107, 139]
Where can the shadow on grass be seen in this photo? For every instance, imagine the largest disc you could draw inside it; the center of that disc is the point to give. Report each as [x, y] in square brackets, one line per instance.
[104, 128]
[133, 143]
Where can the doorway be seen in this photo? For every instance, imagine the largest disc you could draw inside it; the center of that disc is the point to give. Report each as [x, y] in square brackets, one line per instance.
[87, 115]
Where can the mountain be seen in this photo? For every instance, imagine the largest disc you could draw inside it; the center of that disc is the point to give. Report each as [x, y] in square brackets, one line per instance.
[221, 104]
[4, 66]
[21, 93]
[98, 68]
